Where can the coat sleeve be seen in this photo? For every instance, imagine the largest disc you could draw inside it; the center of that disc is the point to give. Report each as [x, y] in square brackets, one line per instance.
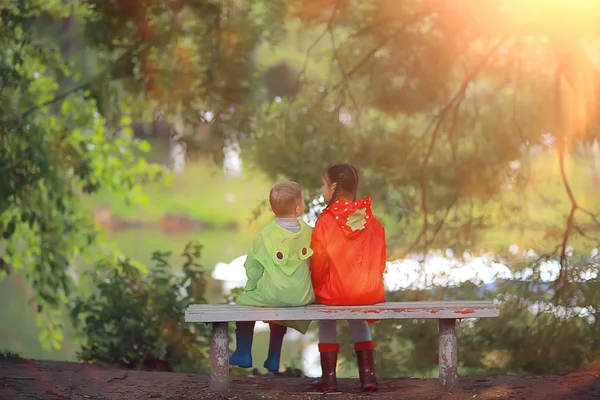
[319, 262]
[254, 268]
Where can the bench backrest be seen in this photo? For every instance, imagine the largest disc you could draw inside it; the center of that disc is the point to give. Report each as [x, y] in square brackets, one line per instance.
[406, 310]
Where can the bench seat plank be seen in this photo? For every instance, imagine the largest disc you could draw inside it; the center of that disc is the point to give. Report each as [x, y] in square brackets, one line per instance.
[403, 310]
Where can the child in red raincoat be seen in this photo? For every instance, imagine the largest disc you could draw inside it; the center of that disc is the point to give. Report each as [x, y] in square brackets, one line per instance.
[347, 269]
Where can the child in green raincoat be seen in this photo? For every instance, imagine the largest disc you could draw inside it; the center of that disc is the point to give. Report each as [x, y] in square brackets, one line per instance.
[278, 273]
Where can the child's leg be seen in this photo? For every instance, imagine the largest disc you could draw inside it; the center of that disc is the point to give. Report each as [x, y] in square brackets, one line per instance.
[359, 329]
[363, 346]
[244, 333]
[275, 343]
[328, 347]
[328, 331]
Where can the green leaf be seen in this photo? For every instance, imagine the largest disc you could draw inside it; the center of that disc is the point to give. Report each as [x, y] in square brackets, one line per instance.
[144, 146]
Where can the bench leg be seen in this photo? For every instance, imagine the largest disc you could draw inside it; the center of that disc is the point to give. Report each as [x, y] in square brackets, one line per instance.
[448, 354]
[219, 357]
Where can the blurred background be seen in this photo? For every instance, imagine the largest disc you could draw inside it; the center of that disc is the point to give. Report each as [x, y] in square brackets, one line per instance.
[140, 139]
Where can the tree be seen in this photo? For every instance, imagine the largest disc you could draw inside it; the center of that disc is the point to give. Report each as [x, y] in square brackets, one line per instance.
[443, 106]
[444, 122]
[434, 101]
[54, 149]
[187, 57]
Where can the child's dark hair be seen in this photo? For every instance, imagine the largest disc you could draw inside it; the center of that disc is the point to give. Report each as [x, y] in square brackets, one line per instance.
[345, 177]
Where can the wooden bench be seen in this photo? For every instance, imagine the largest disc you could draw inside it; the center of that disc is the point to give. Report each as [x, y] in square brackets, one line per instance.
[447, 312]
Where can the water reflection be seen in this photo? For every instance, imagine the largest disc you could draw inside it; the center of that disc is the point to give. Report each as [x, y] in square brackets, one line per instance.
[438, 269]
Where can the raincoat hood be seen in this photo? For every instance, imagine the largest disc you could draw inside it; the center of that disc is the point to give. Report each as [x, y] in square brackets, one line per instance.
[285, 250]
[351, 216]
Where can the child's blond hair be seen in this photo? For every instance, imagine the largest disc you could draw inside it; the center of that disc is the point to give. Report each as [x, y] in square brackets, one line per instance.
[285, 197]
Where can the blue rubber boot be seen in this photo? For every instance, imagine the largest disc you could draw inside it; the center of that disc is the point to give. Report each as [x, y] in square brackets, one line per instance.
[275, 343]
[244, 334]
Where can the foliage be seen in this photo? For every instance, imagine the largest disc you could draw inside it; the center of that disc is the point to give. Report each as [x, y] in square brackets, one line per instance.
[9, 355]
[190, 61]
[233, 294]
[135, 320]
[54, 149]
[442, 105]
[444, 111]
[530, 336]
[434, 102]
[436, 109]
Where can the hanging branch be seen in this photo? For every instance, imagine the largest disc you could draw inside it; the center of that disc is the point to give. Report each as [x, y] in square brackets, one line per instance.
[313, 45]
[562, 280]
[415, 18]
[59, 97]
[340, 64]
[457, 192]
[454, 103]
[559, 131]
[327, 28]
[84, 86]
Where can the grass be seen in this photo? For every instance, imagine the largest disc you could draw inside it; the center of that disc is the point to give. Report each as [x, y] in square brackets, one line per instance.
[202, 192]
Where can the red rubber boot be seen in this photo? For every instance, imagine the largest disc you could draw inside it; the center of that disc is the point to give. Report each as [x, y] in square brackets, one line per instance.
[366, 365]
[329, 353]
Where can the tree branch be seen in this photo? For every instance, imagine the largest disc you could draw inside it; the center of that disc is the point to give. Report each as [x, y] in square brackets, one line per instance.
[59, 97]
[559, 132]
[437, 123]
[372, 26]
[314, 44]
[340, 64]
[80, 87]
[416, 18]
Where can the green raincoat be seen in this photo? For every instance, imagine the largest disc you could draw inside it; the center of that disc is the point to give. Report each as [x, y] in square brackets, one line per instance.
[278, 271]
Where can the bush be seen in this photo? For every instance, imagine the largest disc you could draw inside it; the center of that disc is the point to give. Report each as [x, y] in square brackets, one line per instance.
[531, 335]
[9, 355]
[135, 320]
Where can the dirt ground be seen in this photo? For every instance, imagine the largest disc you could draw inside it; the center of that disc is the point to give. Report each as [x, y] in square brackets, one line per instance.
[47, 380]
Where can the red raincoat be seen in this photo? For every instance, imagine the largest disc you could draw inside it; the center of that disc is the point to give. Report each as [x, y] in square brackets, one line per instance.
[349, 255]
